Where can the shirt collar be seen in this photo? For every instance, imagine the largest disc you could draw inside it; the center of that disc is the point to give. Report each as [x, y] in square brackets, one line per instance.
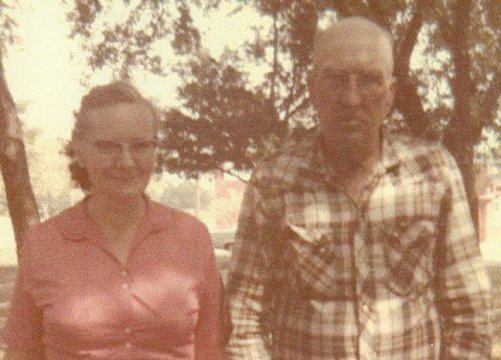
[76, 224]
[315, 163]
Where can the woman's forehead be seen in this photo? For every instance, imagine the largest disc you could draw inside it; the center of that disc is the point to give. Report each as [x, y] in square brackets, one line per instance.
[121, 119]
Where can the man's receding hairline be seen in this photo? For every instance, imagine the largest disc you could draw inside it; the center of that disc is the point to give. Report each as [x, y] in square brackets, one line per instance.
[347, 23]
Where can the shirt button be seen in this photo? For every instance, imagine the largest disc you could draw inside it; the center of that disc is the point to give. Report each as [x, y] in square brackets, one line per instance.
[365, 307]
[127, 330]
[128, 345]
[125, 286]
[124, 273]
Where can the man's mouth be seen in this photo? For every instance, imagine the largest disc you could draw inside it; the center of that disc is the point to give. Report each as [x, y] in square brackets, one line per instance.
[353, 124]
[124, 177]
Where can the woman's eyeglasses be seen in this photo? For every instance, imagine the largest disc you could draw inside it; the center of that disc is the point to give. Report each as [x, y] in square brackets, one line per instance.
[115, 148]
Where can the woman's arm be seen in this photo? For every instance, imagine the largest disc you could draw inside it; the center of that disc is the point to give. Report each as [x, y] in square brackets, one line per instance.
[22, 333]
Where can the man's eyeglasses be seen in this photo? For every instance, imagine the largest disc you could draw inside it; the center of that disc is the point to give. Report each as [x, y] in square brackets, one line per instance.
[136, 148]
[366, 82]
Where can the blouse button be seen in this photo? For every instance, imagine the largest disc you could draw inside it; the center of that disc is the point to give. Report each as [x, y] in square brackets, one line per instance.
[127, 330]
[128, 345]
[125, 286]
[124, 273]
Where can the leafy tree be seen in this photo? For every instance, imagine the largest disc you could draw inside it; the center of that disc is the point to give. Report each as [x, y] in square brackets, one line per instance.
[49, 172]
[221, 119]
[20, 199]
[452, 96]
[221, 123]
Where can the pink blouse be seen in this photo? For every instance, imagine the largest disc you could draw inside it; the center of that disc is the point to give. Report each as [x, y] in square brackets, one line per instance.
[76, 300]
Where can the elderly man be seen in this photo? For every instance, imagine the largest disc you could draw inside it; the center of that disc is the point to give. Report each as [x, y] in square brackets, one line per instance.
[352, 245]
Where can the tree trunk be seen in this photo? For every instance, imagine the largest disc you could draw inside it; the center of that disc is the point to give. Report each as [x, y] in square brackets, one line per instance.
[407, 100]
[463, 131]
[20, 198]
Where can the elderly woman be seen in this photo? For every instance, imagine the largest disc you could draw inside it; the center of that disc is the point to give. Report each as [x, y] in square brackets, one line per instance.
[117, 276]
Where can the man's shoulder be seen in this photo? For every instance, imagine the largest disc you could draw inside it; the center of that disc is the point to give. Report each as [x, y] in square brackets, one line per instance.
[421, 154]
[286, 163]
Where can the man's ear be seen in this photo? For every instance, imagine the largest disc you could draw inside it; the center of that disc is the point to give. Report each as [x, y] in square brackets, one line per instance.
[392, 89]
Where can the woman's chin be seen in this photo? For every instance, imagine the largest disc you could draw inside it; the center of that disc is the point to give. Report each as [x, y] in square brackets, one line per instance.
[124, 193]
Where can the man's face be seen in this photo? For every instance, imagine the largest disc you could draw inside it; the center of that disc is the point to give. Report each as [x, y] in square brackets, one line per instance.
[353, 89]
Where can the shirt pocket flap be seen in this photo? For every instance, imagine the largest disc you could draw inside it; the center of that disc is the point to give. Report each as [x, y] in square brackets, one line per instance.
[310, 235]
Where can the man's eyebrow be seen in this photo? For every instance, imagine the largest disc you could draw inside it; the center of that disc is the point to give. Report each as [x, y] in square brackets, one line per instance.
[331, 70]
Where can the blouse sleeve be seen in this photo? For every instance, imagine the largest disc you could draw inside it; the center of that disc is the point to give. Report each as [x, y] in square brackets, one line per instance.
[208, 330]
[23, 329]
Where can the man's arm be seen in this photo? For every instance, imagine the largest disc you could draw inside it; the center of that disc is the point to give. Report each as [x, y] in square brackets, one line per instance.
[208, 332]
[464, 286]
[245, 283]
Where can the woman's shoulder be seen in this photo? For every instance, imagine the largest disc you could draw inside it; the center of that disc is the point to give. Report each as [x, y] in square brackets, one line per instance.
[54, 223]
[47, 236]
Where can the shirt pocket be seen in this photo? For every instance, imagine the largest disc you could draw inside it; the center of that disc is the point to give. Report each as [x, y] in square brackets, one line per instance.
[315, 263]
[313, 247]
[408, 253]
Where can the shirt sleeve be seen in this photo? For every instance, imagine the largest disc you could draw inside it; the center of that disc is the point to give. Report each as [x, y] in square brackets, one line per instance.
[464, 287]
[245, 283]
[23, 329]
[208, 330]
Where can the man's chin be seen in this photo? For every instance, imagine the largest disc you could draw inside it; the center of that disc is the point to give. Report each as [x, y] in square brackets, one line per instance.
[354, 147]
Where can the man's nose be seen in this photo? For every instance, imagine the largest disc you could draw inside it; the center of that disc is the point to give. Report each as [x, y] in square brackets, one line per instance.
[125, 155]
[351, 95]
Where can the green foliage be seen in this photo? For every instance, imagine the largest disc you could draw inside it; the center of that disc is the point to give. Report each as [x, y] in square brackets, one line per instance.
[129, 33]
[7, 24]
[224, 116]
[49, 173]
[222, 122]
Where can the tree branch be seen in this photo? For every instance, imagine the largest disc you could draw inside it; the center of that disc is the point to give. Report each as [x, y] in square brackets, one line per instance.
[305, 102]
[490, 103]
[407, 99]
[233, 174]
[275, 58]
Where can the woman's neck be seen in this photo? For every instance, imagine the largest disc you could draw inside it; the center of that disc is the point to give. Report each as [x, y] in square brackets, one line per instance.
[111, 213]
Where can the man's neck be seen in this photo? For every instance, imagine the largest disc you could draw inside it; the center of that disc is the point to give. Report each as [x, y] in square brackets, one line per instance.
[353, 167]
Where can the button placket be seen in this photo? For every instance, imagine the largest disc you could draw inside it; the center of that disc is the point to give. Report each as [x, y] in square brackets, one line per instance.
[124, 275]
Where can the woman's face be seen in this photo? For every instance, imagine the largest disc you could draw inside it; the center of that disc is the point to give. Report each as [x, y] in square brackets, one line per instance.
[117, 148]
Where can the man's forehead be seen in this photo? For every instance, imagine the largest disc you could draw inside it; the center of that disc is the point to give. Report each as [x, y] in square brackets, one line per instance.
[346, 53]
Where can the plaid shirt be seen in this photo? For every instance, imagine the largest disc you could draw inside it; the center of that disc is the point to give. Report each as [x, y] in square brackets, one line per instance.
[397, 275]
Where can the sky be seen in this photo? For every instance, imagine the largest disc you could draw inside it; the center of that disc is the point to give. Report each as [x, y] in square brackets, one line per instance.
[44, 70]
[38, 71]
